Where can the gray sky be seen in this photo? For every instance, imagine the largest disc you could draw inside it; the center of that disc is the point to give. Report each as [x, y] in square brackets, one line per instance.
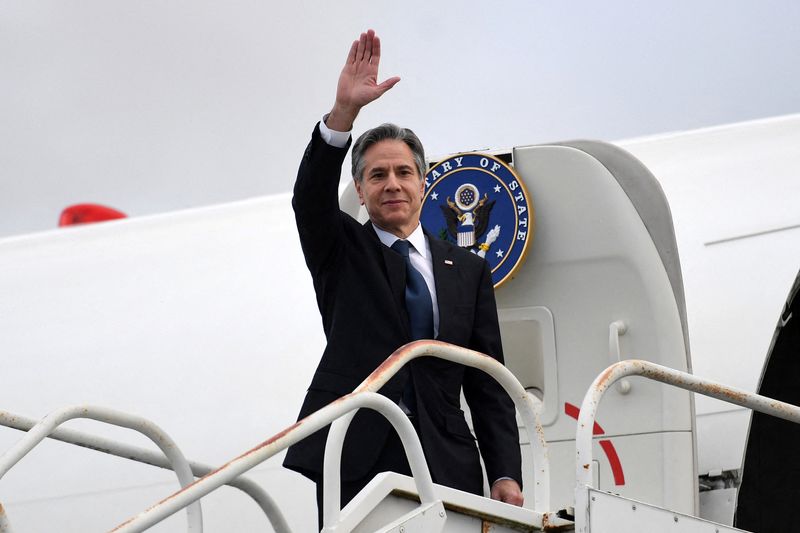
[152, 106]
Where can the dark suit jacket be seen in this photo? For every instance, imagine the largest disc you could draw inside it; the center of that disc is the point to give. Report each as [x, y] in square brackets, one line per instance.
[360, 288]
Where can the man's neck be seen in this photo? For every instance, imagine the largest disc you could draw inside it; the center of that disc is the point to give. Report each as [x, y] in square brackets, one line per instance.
[400, 233]
[388, 238]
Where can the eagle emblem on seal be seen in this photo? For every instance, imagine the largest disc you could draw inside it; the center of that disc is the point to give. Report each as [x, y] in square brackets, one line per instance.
[468, 216]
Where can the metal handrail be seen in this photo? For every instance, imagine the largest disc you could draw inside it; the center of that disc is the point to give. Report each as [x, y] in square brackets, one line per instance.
[633, 367]
[525, 403]
[295, 433]
[319, 419]
[43, 428]
[150, 457]
[333, 459]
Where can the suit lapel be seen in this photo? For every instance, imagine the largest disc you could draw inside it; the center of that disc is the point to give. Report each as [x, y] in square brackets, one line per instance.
[445, 272]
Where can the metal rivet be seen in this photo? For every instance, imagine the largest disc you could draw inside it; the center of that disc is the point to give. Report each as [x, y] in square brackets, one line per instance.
[675, 518]
[593, 498]
[402, 529]
[633, 507]
[441, 513]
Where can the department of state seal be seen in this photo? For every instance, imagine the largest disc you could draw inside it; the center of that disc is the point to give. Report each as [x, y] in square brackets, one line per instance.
[477, 202]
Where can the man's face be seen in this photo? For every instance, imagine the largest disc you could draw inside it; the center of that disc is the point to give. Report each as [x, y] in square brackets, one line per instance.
[391, 188]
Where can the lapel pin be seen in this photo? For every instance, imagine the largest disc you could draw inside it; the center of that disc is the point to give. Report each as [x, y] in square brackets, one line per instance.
[448, 262]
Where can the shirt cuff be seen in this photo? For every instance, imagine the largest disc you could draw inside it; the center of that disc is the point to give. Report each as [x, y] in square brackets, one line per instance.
[337, 139]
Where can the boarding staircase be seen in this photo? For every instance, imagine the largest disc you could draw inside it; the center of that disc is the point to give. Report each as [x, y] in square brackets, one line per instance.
[392, 502]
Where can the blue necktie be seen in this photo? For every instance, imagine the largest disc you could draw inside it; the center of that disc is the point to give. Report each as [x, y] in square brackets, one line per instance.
[420, 314]
[418, 298]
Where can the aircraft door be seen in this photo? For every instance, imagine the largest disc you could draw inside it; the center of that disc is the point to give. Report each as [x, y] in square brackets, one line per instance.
[602, 283]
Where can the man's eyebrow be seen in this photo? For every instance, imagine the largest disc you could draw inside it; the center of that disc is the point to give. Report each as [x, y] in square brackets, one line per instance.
[383, 168]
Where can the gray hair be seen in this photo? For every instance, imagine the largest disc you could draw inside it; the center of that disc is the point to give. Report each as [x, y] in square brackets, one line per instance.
[382, 133]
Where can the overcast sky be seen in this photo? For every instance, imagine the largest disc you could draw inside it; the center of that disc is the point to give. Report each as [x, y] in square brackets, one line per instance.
[150, 106]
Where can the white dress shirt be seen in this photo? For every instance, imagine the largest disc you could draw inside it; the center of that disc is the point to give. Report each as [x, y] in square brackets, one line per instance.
[335, 138]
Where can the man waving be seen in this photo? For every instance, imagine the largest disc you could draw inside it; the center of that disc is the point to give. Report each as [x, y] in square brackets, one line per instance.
[385, 283]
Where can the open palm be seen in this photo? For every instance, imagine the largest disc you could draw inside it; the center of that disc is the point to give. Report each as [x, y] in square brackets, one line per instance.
[358, 81]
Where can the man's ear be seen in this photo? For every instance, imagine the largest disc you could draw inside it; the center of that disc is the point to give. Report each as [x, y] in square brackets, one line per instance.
[357, 183]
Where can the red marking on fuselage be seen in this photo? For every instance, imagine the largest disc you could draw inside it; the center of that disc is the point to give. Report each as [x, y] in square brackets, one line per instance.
[607, 446]
[613, 459]
[575, 412]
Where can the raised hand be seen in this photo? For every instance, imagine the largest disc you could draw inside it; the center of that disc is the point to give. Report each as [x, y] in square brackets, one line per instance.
[358, 82]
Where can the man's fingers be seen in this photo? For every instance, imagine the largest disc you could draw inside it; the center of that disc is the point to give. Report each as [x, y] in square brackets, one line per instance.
[376, 50]
[514, 499]
[362, 45]
[369, 44]
[388, 84]
[351, 56]
[508, 491]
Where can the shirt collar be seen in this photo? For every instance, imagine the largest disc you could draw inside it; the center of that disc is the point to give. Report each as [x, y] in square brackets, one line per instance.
[417, 239]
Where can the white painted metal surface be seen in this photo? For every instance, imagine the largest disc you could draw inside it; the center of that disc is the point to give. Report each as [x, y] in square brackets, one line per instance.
[168, 447]
[593, 263]
[610, 512]
[584, 459]
[733, 193]
[617, 329]
[533, 328]
[428, 518]
[331, 508]
[150, 457]
[392, 495]
[675, 378]
[718, 505]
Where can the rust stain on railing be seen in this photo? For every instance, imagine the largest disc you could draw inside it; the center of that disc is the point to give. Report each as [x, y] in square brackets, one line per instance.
[372, 383]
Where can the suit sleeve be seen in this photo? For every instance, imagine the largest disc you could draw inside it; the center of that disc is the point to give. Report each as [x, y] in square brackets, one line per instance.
[493, 411]
[316, 202]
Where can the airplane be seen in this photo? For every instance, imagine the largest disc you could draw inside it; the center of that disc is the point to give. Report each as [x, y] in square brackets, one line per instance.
[678, 249]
